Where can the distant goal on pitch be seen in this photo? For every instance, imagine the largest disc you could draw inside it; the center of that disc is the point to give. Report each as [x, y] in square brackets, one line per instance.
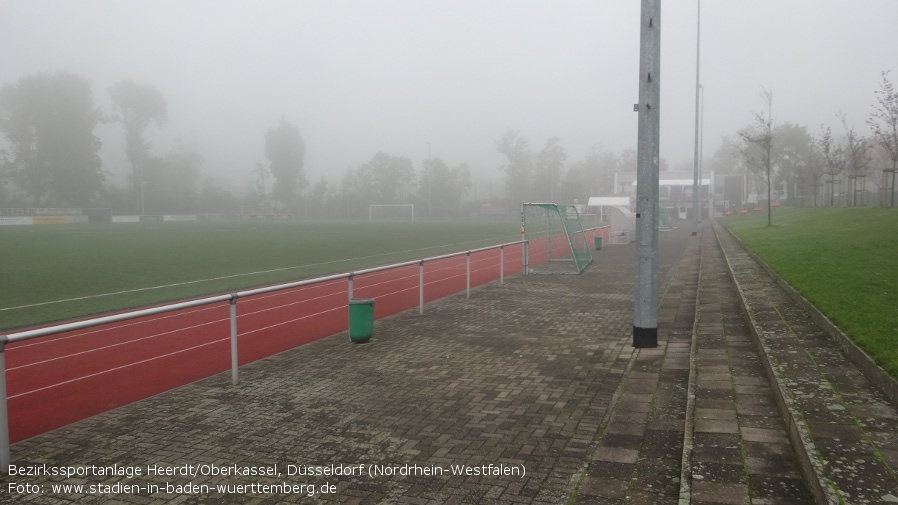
[557, 243]
[391, 212]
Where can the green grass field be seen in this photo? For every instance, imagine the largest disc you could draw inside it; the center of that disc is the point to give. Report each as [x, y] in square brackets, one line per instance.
[844, 260]
[45, 264]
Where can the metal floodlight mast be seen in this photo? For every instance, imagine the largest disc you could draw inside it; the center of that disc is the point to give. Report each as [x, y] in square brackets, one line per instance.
[696, 184]
[645, 310]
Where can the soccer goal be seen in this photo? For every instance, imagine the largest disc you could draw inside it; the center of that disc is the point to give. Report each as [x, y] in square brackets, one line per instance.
[557, 244]
[391, 212]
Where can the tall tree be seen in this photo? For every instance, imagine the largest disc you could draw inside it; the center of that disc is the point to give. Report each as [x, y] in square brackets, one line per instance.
[136, 106]
[726, 160]
[549, 166]
[443, 187]
[390, 178]
[519, 169]
[884, 123]
[286, 151]
[49, 120]
[591, 176]
[812, 170]
[172, 181]
[319, 198]
[758, 146]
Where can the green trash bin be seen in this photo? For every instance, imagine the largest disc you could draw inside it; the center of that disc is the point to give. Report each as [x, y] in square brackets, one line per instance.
[598, 243]
[361, 319]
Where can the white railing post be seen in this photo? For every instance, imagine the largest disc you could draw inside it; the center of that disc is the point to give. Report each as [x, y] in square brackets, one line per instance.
[234, 358]
[468, 289]
[524, 257]
[4, 413]
[421, 288]
[502, 264]
[350, 286]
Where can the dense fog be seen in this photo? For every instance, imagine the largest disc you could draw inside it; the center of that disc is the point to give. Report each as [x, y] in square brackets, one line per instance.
[411, 96]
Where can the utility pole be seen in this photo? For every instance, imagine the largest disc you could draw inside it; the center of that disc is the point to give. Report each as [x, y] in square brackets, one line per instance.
[645, 310]
[696, 184]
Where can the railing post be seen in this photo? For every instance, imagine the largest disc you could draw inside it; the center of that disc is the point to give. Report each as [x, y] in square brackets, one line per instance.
[350, 286]
[502, 264]
[468, 289]
[4, 413]
[421, 288]
[524, 257]
[234, 358]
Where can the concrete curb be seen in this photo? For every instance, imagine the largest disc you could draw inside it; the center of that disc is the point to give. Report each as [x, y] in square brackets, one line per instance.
[689, 425]
[799, 434]
[866, 364]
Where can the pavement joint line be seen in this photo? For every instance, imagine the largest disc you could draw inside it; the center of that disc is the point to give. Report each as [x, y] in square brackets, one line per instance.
[799, 434]
[831, 470]
[689, 424]
[857, 422]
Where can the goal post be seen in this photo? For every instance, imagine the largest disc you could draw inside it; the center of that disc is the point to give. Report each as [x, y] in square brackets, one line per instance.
[557, 243]
[391, 212]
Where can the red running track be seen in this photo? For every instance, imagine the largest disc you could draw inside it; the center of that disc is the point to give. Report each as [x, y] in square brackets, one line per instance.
[57, 380]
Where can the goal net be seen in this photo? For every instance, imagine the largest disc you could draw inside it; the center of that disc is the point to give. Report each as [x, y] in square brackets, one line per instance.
[557, 243]
[391, 212]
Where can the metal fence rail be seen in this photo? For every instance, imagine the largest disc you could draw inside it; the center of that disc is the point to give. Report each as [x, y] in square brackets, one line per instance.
[232, 299]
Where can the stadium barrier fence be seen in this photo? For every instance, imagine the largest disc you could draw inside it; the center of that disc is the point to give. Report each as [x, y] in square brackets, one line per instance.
[232, 298]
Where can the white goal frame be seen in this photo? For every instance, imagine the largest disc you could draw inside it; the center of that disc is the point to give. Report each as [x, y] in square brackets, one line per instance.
[372, 206]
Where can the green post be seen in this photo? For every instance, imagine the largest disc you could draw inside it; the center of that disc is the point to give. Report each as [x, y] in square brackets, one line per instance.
[361, 319]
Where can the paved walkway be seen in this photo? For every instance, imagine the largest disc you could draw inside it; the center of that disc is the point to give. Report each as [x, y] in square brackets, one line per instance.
[528, 392]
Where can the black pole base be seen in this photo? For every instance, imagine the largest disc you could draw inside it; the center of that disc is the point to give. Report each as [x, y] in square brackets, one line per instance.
[645, 338]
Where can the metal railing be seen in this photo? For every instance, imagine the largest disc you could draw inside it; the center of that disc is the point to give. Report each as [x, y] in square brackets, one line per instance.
[232, 299]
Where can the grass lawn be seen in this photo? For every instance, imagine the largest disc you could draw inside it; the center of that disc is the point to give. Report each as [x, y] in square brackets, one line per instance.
[844, 260]
[148, 263]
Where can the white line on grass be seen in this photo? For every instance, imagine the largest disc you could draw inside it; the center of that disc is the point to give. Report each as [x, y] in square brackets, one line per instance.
[198, 281]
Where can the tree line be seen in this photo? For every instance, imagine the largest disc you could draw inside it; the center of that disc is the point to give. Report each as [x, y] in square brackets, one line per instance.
[49, 119]
[786, 161]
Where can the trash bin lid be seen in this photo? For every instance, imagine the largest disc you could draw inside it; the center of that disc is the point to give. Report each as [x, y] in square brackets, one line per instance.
[361, 301]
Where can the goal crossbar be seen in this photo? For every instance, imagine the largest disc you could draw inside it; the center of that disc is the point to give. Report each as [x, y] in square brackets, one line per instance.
[391, 211]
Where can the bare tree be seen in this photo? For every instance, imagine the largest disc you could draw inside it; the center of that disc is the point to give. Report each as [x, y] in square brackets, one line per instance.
[757, 140]
[834, 159]
[884, 122]
[812, 169]
[857, 156]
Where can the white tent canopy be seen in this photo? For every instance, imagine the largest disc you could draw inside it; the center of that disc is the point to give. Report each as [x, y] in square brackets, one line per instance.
[609, 201]
[623, 225]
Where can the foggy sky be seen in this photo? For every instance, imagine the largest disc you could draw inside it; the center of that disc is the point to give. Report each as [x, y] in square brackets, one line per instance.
[358, 77]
